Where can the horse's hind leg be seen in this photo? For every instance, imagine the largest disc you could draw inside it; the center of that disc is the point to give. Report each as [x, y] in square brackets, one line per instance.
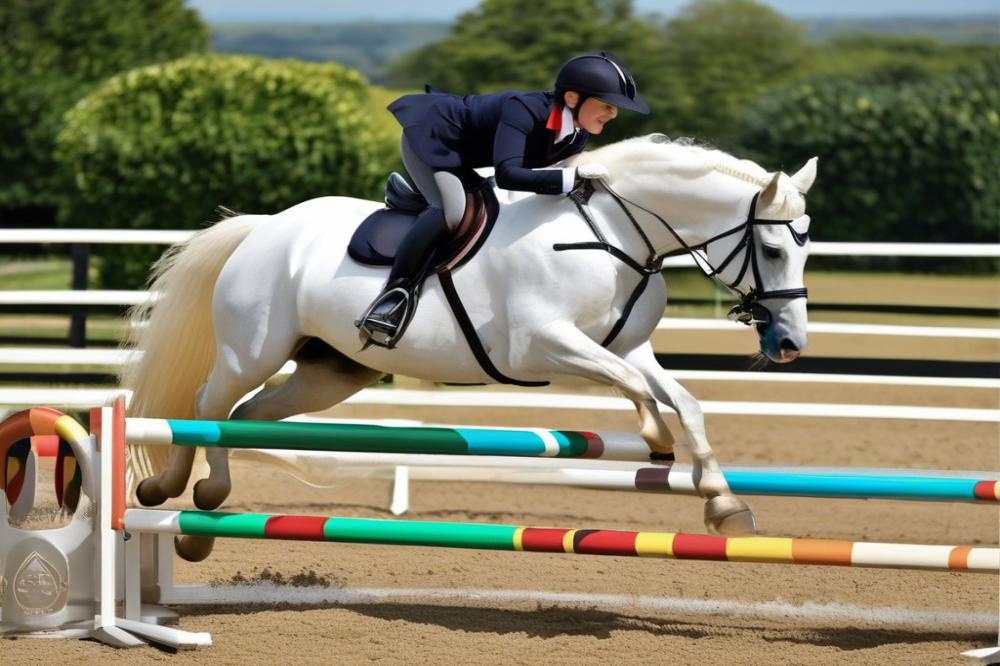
[169, 483]
[214, 400]
[724, 512]
[236, 373]
[323, 377]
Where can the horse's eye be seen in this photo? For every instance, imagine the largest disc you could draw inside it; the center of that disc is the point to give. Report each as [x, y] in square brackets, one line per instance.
[772, 252]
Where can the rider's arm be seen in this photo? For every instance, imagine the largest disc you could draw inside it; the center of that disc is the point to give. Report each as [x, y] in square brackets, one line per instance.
[516, 122]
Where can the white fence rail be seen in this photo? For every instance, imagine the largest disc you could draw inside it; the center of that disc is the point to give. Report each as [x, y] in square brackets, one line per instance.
[105, 298]
[114, 358]
[817, 249]
[72, 297]
[538, 400]
[94, 236]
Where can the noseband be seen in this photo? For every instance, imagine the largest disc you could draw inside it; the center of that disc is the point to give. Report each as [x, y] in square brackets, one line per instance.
[749, 311]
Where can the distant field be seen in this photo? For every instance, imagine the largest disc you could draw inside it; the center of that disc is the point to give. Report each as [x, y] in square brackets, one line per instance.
[369, 46]
[364, 45]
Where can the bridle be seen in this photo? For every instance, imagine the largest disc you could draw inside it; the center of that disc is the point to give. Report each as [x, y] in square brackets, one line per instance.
[748, 311]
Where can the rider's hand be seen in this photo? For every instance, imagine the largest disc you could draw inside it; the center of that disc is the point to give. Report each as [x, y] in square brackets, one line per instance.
[592, 171]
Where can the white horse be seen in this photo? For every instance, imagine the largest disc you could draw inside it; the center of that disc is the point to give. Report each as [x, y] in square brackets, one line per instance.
[239, 299]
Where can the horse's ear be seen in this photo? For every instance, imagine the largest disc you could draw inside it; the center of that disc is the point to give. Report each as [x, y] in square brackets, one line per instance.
[767, 197]
[806, 176]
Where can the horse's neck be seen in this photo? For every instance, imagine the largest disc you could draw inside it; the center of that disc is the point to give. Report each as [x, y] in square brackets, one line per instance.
[607, 217]
[619, 231]
[685, 219]
[682, 214]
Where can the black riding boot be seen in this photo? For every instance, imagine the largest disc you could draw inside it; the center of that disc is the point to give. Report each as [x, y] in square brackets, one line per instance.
[387, 316]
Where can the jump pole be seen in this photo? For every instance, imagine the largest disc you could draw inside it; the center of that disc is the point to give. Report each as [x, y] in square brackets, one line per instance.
[365, 438]
[679, 479]
[483, 441]
[551, 540]
[531, 449]
[511, 538]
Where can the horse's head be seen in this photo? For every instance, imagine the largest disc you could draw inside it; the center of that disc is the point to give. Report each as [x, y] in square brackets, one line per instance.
[744, 226]
[774, 298]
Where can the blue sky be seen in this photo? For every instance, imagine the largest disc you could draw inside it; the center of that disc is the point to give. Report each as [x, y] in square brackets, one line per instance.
[445, 10]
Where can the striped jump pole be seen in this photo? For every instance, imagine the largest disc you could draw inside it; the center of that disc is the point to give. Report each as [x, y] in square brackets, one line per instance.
[549, 540]
[540, 454]
[680, 479]
[365, 438]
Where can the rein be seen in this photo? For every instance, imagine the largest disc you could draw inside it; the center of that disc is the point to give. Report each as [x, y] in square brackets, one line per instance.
[748, 311]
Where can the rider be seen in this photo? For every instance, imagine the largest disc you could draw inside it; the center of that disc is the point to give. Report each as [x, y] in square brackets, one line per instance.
[445, 136]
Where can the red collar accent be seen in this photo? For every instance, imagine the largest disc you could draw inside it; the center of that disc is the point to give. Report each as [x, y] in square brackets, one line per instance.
[555, 118]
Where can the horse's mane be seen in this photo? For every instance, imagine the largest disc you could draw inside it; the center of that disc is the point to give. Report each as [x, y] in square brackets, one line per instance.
[655, 152]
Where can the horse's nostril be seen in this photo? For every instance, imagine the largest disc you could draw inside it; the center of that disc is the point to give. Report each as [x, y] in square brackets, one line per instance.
[789, 345]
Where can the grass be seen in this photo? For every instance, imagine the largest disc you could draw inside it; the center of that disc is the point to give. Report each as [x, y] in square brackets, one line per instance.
[99, 327]
[38, 274]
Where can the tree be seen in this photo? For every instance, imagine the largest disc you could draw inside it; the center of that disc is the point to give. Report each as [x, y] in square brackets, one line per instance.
[915, 162]
[51, 54]
[719, 56]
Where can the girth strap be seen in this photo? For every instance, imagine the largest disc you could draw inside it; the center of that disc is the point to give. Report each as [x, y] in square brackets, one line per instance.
[475, 344]
[581, 197]
[628, 261]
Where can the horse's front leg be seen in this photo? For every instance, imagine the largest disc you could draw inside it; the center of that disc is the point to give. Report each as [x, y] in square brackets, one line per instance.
[724, 512]
[566, 350]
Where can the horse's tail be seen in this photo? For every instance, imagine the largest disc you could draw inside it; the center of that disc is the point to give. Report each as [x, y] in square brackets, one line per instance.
[172, 331]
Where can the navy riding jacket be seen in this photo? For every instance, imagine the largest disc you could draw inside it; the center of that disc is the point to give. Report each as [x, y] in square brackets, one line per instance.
[506, 130]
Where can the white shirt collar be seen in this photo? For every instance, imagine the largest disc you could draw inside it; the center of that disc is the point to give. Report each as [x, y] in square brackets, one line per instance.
[566, 126]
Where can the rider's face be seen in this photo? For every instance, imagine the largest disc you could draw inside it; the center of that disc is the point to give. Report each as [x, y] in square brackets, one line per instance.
[594, 113]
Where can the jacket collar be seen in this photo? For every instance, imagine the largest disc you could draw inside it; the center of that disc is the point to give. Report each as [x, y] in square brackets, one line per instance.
[561, 122]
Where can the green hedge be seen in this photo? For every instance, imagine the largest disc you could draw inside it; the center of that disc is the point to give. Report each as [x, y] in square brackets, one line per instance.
[163, 146]
[915, 163]
[52, 53]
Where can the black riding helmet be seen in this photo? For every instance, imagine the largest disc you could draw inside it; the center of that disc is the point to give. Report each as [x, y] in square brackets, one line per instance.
[603, 76]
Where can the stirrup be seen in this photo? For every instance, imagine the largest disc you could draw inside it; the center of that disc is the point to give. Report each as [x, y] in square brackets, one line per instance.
[385, 331]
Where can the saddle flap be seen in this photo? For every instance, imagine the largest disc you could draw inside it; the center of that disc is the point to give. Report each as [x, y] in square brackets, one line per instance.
[377, 238]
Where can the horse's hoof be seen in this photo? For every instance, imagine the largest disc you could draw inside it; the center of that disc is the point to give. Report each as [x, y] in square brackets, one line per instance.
[207, 497]
[193, 549]
[149, 494]
[729, 516]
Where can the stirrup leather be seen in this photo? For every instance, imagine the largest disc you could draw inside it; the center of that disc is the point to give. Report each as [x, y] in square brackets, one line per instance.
[385, 329]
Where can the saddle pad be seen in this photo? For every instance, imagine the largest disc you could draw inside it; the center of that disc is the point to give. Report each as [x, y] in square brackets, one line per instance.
[378, 236]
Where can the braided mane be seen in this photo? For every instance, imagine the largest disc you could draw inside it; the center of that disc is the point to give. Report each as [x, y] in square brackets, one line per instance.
[653, 153]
